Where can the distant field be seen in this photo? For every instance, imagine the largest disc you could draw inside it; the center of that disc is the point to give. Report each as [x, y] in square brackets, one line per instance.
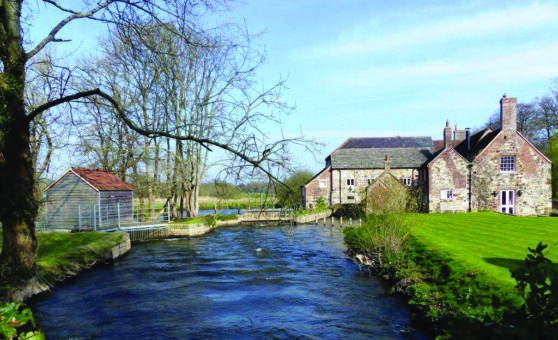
[243, 201]
[487, 242]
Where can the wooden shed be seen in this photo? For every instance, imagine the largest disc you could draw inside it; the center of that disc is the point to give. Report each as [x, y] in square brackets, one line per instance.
[88, 199]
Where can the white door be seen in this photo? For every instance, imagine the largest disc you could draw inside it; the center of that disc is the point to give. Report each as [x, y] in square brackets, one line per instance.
[507, 201]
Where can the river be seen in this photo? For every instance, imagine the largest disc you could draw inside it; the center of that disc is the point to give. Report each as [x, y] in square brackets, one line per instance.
[273, 282]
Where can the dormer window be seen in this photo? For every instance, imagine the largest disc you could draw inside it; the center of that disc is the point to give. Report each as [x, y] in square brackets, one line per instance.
[507, 163]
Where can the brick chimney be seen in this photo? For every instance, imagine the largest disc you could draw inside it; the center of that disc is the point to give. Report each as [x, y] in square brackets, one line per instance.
[458, 134]
[447, 135]
[387, 163]
[508, 113]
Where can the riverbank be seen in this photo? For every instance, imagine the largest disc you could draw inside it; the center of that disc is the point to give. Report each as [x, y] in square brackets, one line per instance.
[454, 270]
[64, 255]
[59, 257]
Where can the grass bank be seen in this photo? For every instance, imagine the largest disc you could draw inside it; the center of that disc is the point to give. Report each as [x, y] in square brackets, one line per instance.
[455, 268]
[487, 243]
[59, 255]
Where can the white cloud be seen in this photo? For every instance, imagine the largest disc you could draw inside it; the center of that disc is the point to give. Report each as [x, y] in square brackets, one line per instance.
[517, 19]
[522, 64]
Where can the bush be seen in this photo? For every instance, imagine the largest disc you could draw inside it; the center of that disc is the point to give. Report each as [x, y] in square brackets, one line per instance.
[230, 217]
[209, 220]
[350, 210]
[537, 282]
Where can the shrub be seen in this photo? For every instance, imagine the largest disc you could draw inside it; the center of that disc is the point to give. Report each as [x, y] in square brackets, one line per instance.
[321, 203]
[537, 282]
[350, 210]
[209, 220]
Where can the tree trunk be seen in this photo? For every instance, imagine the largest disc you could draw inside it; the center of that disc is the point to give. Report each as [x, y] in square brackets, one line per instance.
[18, 207]
[192, 201]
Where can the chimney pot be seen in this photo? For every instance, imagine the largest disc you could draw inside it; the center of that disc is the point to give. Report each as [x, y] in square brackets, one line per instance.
[447, 134]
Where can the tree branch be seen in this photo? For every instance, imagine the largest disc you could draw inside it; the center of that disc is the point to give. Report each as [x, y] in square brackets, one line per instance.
[153, 133]
[41, 108]
[52, 35]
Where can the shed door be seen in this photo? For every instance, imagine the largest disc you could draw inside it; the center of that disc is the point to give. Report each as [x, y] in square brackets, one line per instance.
[507, 201]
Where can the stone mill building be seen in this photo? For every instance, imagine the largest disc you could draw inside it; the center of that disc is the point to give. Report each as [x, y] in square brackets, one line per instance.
[497, 170]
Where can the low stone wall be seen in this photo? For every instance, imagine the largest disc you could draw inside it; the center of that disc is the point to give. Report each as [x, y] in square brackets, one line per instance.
[188, 230]
[197, 229]
[313, 217]
[121, 248]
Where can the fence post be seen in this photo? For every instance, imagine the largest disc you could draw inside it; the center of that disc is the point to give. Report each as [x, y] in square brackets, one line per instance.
[168, 211]
[79, 216]
[341, 223]
[100, 216]
[118, 207]
[360, 222]
[350, 221]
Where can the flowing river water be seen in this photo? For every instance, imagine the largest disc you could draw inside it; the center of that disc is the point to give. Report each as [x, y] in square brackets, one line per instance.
[272, 282]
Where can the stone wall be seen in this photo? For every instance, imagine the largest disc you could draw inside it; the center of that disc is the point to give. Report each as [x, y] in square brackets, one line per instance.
[318, 187]
[448, 171]
[531, 180]
[342, 193]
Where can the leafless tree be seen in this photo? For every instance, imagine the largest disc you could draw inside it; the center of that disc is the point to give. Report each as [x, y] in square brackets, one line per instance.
[18, 206]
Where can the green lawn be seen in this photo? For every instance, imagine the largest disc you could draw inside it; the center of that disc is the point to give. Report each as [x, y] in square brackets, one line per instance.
[486, 242]
[60, 254]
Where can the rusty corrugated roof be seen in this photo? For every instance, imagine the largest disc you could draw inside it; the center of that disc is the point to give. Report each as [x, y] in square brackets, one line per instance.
[102, 180]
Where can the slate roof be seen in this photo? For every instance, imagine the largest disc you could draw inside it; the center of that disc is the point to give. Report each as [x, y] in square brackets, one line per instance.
[387, 142]
[102, 180]
[479, 141]
[369, 153]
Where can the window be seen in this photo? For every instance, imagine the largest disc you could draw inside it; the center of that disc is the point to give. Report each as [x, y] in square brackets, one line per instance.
[407, 181]
[446, 194]
[370, 180]
[507, 163]
[350, 198]
[350, 182]
[322, 184]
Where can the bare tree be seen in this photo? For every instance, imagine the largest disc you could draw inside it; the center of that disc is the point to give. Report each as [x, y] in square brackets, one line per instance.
[18, 206]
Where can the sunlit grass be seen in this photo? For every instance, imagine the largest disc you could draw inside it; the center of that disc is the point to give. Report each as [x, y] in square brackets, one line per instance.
[61, 254]
[486, 242]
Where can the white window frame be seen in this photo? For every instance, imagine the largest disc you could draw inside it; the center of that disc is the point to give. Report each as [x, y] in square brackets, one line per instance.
[322, 184]
[507, 163]
[446, 194]
[350, 182]
[407, 181]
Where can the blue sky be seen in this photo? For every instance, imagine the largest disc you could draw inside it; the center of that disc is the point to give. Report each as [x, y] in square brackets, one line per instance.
[386, 68]
[360, 68]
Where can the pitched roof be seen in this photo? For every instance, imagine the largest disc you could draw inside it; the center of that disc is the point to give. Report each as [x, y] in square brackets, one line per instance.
[478, 142]
[369, 153]
[102, 180]
[387, 142]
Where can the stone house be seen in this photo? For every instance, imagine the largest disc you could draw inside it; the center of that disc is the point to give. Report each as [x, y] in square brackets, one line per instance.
[497, 170]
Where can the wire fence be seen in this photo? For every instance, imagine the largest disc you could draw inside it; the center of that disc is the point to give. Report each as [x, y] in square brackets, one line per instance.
[82, 217]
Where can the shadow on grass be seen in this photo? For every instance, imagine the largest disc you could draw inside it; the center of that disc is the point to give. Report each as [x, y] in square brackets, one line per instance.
[511, 264]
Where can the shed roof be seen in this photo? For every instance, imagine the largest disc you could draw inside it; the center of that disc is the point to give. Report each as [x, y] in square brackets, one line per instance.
[370, 153]
[102, 180]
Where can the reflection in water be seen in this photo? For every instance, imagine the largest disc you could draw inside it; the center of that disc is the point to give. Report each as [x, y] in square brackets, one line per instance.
[239, 282]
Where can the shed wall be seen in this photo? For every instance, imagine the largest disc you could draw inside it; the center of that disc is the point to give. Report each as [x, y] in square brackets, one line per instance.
[65, 199]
